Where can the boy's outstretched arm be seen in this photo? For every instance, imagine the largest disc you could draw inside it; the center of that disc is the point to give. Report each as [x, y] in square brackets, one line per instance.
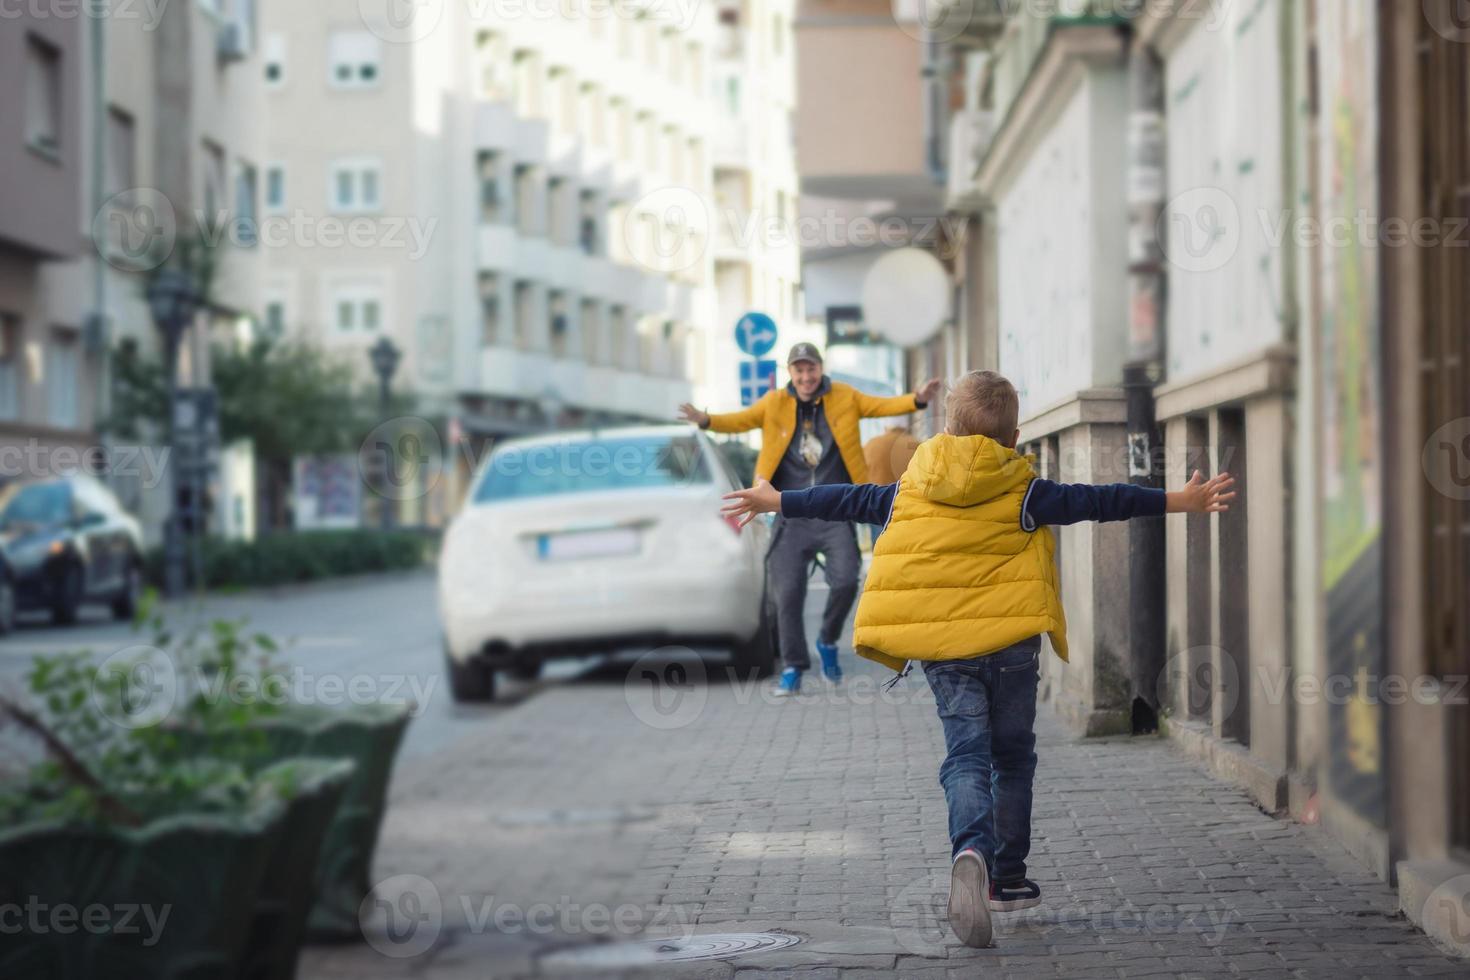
[1072, 503]
[866, 502]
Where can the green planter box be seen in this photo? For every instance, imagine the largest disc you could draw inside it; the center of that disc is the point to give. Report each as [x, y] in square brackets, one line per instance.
[287, 888]
[369, 736]
[91, 891]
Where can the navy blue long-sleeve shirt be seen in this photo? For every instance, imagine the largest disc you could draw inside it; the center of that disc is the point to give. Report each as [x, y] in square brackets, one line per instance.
[1046, 503]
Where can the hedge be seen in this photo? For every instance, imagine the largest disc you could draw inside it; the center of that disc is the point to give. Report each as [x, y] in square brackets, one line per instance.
[283, 558]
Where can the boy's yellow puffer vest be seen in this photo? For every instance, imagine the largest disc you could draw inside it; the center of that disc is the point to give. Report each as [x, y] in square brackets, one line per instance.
[954, 576]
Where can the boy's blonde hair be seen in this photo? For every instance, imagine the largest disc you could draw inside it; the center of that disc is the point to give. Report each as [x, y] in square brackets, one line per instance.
[983, 403]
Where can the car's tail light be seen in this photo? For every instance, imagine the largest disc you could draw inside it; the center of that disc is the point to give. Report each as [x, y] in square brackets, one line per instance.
[733, 521]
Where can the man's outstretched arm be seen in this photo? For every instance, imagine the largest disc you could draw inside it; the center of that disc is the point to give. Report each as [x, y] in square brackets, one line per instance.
[877, 406]
[865, 502]
[741, 421]
[1072, 503]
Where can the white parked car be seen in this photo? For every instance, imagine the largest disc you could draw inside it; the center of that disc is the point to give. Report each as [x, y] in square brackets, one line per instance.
[593, 540]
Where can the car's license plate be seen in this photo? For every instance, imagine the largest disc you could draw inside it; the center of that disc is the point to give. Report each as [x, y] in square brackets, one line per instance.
[602, 543]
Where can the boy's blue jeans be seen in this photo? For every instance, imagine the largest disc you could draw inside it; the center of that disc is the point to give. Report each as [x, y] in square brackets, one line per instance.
[988, 708]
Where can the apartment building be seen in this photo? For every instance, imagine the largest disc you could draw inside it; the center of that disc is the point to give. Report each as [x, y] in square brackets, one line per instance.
[109, 170]
[45, 390]
[543, 203]
[757, 250]
[868, 67]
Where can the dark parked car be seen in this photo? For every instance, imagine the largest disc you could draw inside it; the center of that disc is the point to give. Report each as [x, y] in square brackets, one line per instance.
[67, 541]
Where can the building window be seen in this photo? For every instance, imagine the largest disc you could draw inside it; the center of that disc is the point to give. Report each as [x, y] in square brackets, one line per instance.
[558, 208]
[10, 366]
[526, 68]
[354, 60]
[528, 220]
[356, 186]
[588, 233]
[43, 96]
[622, 128]
[524, 300]
[121, 151]
[491, 62]
[63, 368]
[591, 123]
[273, 324]
[246, 189]
[492, 203]
[489, 309]
[244, 11]
[696, 68]
[564, 94]
[216, 193]
[559, 325]
[275, 188]
[357, 312]
[592, 340]
[275, 60]
[617, 323]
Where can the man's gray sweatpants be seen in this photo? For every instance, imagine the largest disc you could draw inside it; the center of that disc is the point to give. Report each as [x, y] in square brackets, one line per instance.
[797, 540]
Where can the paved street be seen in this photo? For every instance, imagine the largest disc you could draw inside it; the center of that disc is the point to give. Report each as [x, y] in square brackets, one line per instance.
[382, 630]
[651, 798]
[654, 798]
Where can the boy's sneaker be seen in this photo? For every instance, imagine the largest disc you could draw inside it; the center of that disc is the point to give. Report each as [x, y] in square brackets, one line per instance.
[790, 682]
[830, 668]
[1011, 896]
[969, 912]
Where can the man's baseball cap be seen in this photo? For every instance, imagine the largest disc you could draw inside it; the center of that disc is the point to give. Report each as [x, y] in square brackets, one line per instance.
[803, 352]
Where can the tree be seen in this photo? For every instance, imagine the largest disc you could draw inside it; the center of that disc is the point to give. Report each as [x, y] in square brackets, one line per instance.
[289, 398]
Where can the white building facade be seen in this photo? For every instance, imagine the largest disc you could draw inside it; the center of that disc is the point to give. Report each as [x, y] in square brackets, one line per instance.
[542, 201]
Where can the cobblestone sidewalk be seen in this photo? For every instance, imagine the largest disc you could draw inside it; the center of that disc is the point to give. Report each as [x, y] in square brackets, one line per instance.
[646, 801]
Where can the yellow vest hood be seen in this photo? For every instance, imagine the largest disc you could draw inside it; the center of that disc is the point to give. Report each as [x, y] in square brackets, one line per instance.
[954, 576]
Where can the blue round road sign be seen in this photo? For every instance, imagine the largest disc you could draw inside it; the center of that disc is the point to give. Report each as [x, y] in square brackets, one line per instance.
[755, 334]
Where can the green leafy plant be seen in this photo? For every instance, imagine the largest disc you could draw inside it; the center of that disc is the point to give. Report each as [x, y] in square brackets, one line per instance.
[103, 762]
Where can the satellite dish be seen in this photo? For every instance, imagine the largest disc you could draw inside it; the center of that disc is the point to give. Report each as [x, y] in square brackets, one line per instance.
[906, 296]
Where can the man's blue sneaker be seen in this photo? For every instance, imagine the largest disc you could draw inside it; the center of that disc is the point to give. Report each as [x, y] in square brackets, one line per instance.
[790, 682]
[830, 668]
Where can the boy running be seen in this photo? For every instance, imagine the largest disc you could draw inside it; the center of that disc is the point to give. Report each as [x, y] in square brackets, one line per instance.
[964, 580]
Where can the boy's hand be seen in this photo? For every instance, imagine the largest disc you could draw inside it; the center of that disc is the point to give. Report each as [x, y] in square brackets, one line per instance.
[1201, 496]
[759, 499]
[688, 413]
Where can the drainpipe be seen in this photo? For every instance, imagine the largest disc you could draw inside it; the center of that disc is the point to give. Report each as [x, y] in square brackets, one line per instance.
[1142, 371]
[932, 87]
[103, 409]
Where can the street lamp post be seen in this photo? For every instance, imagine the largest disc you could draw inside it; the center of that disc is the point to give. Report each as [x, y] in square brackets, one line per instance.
[173, 302]
[385, 356]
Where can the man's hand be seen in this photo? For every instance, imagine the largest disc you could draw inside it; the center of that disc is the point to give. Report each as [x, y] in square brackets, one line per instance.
[688, 413]
[926, 395]
[1201, 496]
[759, 499]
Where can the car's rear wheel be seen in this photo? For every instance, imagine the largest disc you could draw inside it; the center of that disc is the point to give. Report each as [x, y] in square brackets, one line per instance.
[68, 598]
[469, 681]
[757, 655]
[7, 604]
[125, 606]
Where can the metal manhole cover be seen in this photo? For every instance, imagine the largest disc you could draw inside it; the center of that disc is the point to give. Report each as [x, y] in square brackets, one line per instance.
[647, 952]
[571, 817]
